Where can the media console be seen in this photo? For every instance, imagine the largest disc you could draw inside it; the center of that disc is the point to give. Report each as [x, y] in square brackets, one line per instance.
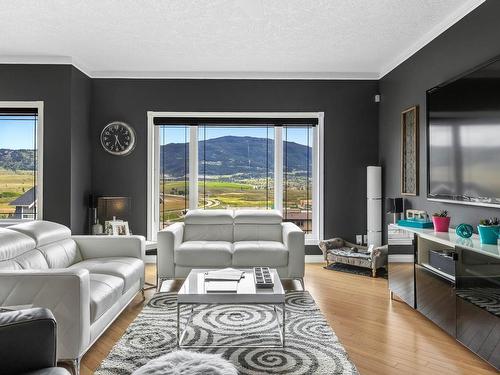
[454, 282]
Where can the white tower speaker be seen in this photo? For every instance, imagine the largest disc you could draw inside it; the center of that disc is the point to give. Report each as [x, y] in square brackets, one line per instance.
[374, 205]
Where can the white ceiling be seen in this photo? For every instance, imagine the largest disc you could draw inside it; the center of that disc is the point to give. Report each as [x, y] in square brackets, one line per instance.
[224, 38]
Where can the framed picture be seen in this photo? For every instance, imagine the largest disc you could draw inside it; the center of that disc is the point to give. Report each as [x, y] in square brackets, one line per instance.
[409, 151]
[120, 228]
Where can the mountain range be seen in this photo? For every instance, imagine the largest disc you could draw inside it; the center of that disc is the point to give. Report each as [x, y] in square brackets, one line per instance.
[229, 155]
[22, 160]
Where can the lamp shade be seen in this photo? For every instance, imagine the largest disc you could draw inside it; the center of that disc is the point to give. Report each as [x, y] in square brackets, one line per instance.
[394, 205]
[113, 207]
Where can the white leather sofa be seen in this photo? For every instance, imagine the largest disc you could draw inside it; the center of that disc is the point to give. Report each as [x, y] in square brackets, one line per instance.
[86, 281]
[227, 238]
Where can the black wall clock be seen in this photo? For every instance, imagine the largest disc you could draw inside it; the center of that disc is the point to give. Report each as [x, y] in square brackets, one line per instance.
[118, 138]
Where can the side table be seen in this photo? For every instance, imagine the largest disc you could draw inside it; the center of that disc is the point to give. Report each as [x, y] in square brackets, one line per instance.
[152, 249]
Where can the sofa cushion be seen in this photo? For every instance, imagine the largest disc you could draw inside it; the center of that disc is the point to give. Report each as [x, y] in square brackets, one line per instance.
[105, 291]
[13, 244]
[258, 232]
[203, 254]
[43, 232]
[61, 254]
[130, 270]
[203, 232]
[209, 217]
[260, 253]
[32, 260]
[257, 217]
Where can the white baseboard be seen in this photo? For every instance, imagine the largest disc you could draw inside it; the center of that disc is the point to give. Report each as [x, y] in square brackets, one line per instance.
[151, 259]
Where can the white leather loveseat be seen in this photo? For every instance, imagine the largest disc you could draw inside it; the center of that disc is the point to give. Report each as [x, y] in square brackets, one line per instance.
[227, 238]
[86, 281]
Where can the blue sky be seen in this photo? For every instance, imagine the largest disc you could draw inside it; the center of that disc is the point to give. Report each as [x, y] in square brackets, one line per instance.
[179, 134]
[16, 132]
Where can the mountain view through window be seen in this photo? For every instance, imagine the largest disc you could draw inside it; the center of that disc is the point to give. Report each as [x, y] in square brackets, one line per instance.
[236, 170]
[18, 166]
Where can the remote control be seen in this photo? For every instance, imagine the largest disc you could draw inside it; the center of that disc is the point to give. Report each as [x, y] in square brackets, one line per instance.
[263, 278]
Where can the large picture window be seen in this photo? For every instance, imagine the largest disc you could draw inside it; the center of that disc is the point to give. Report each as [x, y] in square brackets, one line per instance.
[20, 161]
[249, 161]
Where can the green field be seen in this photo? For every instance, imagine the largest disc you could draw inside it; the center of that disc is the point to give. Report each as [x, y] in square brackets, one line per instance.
[218, 193]
[12, 185]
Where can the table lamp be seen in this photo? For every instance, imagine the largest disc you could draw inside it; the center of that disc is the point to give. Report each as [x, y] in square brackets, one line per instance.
[395, 206]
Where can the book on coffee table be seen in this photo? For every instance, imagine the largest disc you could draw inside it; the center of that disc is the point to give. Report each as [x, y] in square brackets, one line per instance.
[221, 286]
[227, 274]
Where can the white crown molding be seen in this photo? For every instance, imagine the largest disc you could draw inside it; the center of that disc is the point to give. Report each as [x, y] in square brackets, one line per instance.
[45, 60]
[239, 75]
[444, 25]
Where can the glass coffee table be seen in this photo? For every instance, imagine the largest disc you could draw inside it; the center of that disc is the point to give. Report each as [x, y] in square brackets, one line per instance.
[193, 293]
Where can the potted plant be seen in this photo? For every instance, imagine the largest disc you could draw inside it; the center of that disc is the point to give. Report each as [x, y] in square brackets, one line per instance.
[441, 221]
[488, 230]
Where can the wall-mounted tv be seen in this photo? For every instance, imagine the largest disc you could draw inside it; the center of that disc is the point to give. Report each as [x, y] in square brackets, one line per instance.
[463, 138]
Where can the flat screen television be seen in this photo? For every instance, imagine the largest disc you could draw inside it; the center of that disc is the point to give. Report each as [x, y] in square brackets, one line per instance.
[463, 138]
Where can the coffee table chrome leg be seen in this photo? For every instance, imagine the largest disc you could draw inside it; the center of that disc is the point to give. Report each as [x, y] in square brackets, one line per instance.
[283, 325]
[180, 336]
[178, 324]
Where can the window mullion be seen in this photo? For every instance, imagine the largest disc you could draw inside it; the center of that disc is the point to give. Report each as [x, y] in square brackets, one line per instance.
[193, 167]
[278, 168]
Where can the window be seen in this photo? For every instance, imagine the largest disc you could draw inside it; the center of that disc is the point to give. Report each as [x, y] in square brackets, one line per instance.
[20, 161]
[235, 161]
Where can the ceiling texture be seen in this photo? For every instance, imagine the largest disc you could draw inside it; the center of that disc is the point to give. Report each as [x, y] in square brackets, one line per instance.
[301, 39]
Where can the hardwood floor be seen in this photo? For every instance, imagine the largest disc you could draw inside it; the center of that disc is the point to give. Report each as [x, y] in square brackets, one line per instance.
[381, 336]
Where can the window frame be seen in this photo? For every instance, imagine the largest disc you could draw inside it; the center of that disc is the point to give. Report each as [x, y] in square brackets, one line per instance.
[153, 178]
[38, 105]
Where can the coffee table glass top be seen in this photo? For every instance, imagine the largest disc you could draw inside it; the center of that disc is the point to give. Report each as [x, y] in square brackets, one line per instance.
[193, 290]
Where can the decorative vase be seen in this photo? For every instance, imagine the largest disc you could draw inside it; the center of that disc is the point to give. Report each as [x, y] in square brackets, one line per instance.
[464, 230]
[488, 234]
[441, 224]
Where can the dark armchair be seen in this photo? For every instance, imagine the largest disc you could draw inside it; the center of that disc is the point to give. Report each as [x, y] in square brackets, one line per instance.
[28, 342]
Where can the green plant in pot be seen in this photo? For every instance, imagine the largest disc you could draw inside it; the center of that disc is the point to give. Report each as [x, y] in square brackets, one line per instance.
[489, 230]
[441, 221]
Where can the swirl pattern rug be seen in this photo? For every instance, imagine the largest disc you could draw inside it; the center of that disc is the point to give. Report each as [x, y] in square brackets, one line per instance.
[311, 345]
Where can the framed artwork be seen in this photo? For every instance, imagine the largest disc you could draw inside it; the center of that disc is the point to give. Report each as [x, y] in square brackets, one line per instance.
[120, 228]
[409, 151]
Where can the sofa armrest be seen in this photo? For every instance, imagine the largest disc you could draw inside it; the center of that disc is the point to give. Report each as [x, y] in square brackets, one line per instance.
[294, 240]
[111, 246]
[27, 340]
[168, 240]
[379, 257]
[63, 291]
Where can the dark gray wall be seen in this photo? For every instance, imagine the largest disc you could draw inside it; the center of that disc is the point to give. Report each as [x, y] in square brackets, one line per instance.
[81, 160]
[65, 92]
[351, 134]
[50, 84]
[472, 41]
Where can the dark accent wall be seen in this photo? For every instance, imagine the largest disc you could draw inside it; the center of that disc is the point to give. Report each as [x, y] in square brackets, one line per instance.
[50, 84]
[470, 42]
[351, 133]
[81, 160]
[65, 92]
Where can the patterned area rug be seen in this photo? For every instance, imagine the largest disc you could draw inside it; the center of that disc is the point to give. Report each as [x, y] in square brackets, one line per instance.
[381, 272]
[311, 345]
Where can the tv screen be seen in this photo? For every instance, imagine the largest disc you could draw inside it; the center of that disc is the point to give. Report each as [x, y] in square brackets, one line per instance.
[464, 138]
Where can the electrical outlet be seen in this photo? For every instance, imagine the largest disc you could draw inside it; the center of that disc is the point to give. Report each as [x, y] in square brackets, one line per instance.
[365, 239]
[359, 239]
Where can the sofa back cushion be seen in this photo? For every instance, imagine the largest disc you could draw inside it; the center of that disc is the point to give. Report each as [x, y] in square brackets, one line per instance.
[208, 225]
[17, 252]
[257, 225]
[53, 243]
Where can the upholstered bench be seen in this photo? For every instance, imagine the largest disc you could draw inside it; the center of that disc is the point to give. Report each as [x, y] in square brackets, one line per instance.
[337, 250]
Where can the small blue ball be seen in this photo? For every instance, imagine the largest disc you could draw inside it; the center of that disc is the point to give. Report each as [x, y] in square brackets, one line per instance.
[464, 230]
